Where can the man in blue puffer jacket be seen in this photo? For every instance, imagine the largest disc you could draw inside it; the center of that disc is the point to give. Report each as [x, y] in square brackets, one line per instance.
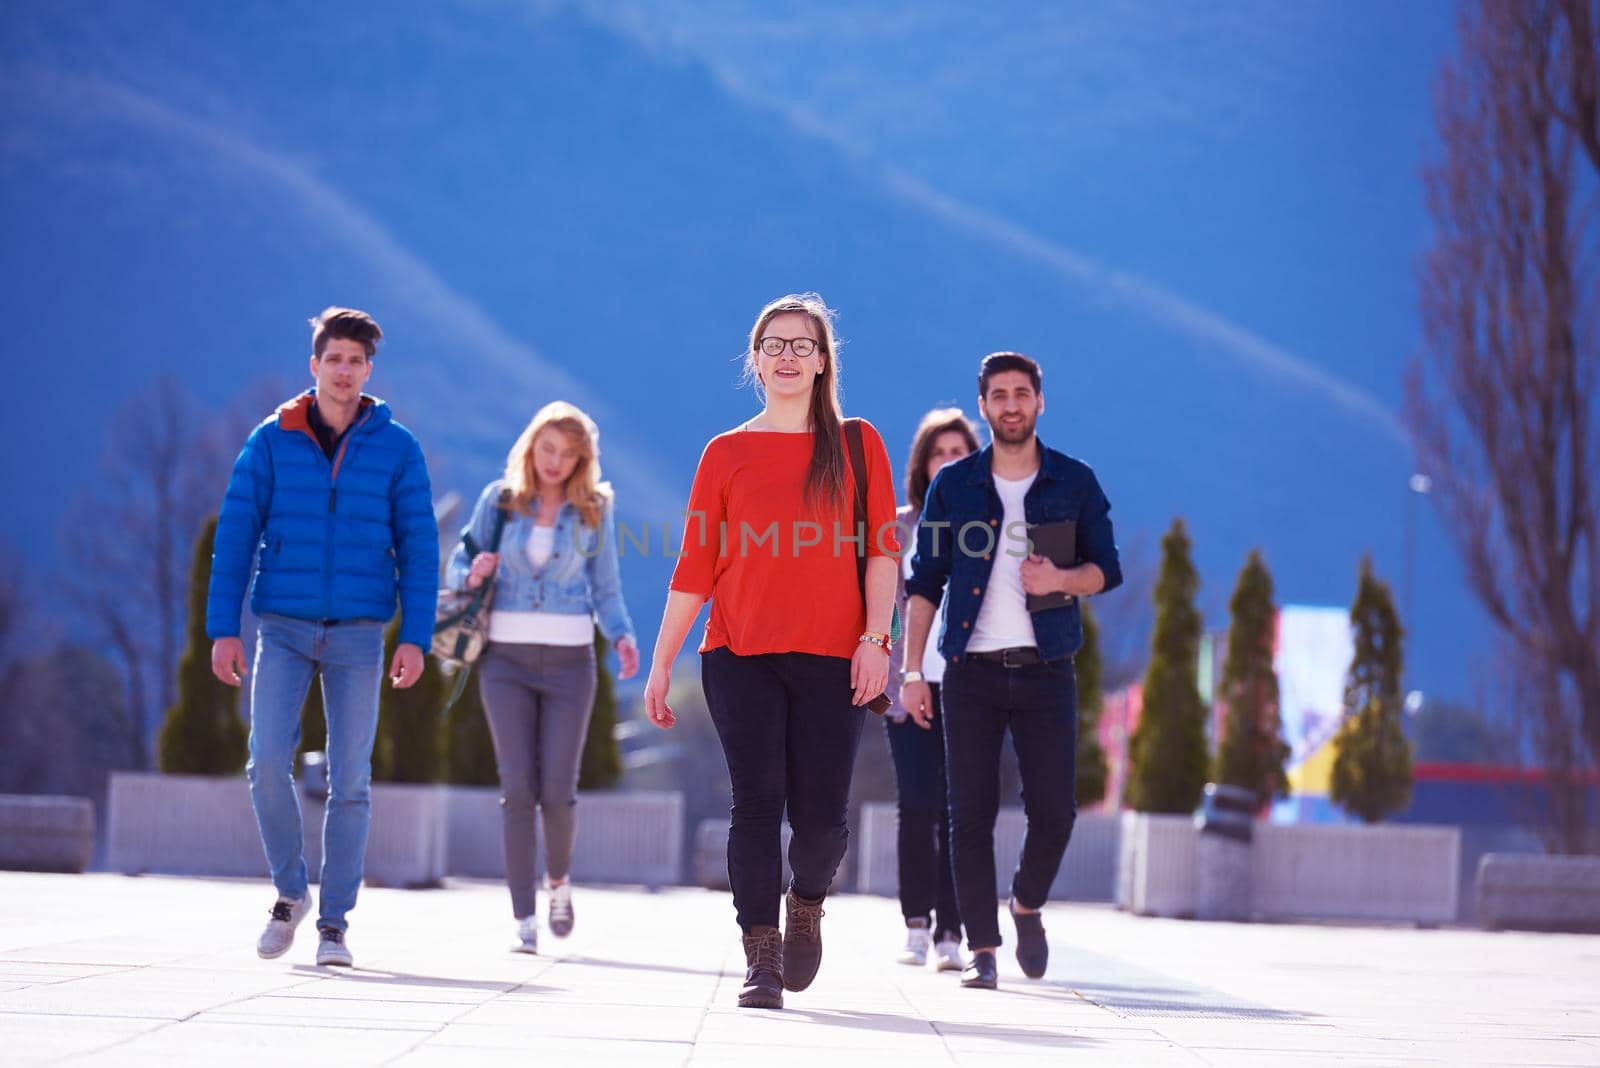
[329, 505]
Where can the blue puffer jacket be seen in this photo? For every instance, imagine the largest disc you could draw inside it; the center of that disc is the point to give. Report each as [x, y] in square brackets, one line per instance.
[338, 539]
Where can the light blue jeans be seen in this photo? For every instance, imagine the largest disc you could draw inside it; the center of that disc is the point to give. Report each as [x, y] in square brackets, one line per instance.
[349, 657]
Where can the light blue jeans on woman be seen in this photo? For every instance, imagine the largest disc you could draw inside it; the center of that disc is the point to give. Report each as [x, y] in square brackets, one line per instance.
[349, 657]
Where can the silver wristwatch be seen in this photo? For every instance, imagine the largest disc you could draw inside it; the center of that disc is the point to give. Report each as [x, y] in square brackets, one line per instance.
[911, 676]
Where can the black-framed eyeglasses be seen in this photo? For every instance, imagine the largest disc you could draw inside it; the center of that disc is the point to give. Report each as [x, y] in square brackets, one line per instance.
[800, 346]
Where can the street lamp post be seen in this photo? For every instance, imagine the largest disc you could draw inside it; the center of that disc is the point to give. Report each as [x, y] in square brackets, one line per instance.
[1418, 485]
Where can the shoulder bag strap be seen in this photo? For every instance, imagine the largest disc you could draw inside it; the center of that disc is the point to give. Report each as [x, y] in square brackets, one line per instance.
[858, 467]
[459, 686]
[499, 521]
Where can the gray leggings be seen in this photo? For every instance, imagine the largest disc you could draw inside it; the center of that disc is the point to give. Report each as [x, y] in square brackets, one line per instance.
[537, 699]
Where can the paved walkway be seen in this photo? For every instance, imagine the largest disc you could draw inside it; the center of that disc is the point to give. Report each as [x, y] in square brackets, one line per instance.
[103, 969]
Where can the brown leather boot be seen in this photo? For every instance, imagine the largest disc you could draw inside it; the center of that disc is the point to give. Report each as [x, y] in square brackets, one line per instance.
[802, 941]
[763, 976]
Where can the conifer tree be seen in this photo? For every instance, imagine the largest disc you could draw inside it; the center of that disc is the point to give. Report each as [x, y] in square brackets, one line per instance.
[1092, 772]
[313, 721]
[1372, 758]
[410, 728]
[1167, 755]
[1252, 753]
[602, 761]
[202, 733]
[468, 745]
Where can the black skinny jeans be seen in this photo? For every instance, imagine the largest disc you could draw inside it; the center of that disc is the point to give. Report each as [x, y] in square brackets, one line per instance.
[1039, 705]
[789, 733]
[927, 886]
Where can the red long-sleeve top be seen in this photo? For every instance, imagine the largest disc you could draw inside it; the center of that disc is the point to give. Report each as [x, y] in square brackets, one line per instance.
[781, 576]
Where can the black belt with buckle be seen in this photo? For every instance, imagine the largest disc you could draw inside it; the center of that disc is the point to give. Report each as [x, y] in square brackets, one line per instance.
[1020, 656]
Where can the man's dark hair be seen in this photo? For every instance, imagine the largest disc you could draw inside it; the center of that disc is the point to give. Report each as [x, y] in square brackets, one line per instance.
[346, 323]
[998, 362]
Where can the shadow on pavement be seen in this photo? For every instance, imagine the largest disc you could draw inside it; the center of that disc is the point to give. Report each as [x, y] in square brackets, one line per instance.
[637, 966]
[378, 977]
[1133, 1002]
[892, 1023]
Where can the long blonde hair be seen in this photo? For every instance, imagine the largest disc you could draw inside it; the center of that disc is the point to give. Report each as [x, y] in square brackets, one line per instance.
[825, 476]
[585, 491]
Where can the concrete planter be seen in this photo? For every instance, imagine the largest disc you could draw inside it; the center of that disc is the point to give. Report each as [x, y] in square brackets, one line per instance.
[407, 844]
[1539, 892]
[711, 857]
[1127, 858]
[1390, 873]
[45, 833]
[1222, 878]
[182, 825]
[204, 825]
[1157, 871]
[634, 837]
[1088, 871]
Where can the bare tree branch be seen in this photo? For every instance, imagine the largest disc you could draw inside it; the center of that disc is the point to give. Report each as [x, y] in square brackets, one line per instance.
[1503, 404]
[130, 533]
[12, 603]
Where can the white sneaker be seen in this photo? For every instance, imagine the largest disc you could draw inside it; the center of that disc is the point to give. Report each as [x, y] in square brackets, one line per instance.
[560, 908]
[947, 951]
[286, 914]
[331, 949]
[917, 940]
[527, 940]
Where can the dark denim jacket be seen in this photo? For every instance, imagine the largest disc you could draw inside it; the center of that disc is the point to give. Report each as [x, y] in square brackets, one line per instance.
[963, 494]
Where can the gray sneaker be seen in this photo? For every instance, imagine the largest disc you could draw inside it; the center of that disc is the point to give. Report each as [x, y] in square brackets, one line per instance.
[560, 911]
[286, 914]
[918, 939]
[331, 949]
[948, 953]
[527, 940]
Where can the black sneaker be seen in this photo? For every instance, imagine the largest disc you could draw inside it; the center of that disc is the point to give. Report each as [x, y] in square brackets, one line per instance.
[981, 974]
[331, 949]
[763, 977]
[1033, 952]
[802, 941]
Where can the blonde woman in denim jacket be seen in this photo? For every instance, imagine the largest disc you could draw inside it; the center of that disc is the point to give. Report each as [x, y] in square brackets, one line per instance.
[555, 577]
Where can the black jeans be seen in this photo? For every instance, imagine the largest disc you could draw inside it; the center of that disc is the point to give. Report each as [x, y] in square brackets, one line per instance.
[1039, 705]
[789, 733]
[926, 882]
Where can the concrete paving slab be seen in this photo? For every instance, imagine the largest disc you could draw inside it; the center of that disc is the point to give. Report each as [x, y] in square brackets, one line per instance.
[651, 978]
[45, 1038]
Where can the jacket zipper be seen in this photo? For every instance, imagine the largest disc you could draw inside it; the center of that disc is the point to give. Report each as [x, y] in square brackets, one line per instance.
[333, 497]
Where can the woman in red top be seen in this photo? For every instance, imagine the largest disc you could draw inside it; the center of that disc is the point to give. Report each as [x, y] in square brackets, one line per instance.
[790, 652]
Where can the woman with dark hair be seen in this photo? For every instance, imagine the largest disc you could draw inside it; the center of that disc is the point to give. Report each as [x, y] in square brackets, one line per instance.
[791, 652]
[927, 886]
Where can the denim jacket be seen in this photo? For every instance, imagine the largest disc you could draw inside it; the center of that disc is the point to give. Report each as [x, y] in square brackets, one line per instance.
[580, 577]
[963, 493]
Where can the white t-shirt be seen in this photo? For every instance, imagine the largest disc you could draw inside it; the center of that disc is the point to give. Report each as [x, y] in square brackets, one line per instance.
[1003, 621]
[541, 543]
[540, 628]
[932, 659]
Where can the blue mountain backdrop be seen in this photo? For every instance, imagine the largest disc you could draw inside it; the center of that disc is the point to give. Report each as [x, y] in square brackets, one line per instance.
[1203, 222]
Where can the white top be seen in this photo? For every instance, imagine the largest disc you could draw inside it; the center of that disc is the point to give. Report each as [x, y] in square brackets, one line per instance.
[540, 628]
[1003, 620]
[932, 659]
[541, 543]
